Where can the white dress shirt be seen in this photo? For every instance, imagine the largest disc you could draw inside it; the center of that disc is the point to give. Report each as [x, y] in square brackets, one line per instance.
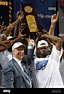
[19, 62]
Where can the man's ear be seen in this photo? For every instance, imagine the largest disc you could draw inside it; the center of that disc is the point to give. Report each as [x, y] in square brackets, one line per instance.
[13, 52]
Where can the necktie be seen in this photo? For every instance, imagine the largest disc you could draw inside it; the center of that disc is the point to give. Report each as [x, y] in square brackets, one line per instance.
[26, 76]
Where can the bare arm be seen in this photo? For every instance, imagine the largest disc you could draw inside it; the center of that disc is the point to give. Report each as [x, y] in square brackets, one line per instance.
[20, 12]
[62, 37]
[2, 27]
[7, 43]
[58, 41]
[11, 26]
[54, 19]
[19, 36]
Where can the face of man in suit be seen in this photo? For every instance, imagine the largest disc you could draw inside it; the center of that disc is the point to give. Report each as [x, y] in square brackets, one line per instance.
[18, 52]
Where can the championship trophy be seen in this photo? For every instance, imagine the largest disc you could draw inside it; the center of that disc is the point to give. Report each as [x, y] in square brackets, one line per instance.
[32, 24]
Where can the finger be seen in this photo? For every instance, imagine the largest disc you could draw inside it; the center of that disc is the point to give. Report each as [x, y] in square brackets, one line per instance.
[2, 23]
[57, 14]
[29, 38]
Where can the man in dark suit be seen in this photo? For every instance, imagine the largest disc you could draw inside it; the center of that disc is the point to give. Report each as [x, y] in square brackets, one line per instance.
[16, 74]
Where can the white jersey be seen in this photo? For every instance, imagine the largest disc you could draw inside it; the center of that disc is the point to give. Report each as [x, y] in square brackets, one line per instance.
[49, 77]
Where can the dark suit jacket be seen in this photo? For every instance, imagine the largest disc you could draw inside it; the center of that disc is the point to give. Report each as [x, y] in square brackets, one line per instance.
[13, 76]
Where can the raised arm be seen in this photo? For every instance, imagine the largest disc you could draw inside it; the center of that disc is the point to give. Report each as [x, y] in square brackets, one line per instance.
[7, 43]
[2, 27]
[11, 26]
[54, 19]
[58, 41]
[20, 12]
[19, 36]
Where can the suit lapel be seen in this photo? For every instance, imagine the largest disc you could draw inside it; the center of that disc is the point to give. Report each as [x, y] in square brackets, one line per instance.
[24, 74]
[17, 66]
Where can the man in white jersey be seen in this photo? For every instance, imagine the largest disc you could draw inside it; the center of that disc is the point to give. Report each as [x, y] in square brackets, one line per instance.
[46, 69]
